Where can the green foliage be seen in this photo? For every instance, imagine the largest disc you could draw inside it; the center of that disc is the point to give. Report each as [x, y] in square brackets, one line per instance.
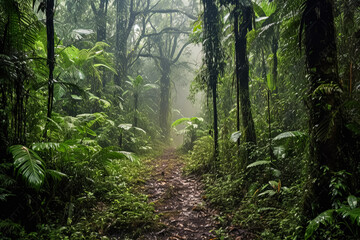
[344, 215]
[11, 230]
[258, 163]
[289, 135]
[82, 180]
[201, 156]
[331, 216]
[28, 165]
[193, 130]
[235, 136]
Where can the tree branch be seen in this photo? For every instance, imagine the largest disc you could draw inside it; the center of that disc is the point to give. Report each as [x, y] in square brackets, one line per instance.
[192, 17]
[94, 8]
[167, 30]
[180, 52]
[150, 56]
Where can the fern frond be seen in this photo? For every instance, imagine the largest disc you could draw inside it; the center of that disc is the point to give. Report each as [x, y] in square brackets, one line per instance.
[327, 89]
[9, 227]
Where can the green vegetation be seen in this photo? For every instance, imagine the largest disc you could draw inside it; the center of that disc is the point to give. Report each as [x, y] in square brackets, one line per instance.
[87, 91]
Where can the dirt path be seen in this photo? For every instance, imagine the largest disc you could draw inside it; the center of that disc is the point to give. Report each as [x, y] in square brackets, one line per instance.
[178, 201]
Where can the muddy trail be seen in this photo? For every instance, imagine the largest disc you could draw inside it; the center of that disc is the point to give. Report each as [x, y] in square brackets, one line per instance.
[178, 200]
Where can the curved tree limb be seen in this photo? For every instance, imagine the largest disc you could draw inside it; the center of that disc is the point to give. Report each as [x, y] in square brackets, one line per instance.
[180, 52]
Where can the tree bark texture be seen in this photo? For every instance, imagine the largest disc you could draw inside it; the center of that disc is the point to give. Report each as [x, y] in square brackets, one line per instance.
[136, 102]
[212, 50]
[237, 66]
[165, 66]
[274, 49]
[50, 54]
[325, 121]
[122, 15]
[100, 18]
[247, 119]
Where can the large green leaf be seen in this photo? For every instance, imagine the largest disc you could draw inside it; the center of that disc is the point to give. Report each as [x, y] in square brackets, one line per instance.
[138, 80]
[125, 126]
[258, 10]
[235, 136]
[150, 86]
[55, 175]
[270, 82]
[105, 66]
[28, 165]
[258, 163]
[290, 134]
[353, 214]
[352, 201]
[41, 146]
[188, 120]
[131, 156]
[279, 152]
[327, 89]
[140, 130]
[323, 218]
[180, 121]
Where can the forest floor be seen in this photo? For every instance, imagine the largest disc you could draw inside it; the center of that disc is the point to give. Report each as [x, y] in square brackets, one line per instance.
[179, 202]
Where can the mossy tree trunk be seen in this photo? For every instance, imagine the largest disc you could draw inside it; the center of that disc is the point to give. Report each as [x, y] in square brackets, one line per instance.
[50, 57]
[325, 122]
[213, 57]
[100, 18]
[165, 65]
[243, 73]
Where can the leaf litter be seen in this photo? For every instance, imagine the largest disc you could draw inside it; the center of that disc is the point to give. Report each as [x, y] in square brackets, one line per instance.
[178, 200]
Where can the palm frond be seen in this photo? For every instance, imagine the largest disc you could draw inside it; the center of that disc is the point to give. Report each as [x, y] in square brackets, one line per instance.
[290, 134]
[327, 89]
[28, 165]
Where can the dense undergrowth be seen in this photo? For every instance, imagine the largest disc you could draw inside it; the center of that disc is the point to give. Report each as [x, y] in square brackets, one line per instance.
[73, 188]
[264, 197]
[87, 86]
[106, 202]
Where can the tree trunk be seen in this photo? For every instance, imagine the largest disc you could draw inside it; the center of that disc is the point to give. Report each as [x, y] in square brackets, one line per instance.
[165, 97]
[100, 18]
[274, 48]
[50, 56]
[247, 119]
[136, 101]
[121, 42]
[325, 122]
[101, 21]
[213, 56]
[237, 66]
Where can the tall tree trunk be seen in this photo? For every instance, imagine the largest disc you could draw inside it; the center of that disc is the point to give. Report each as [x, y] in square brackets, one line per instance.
[136, 101]
[247, 119]
[100, 18]
[101, 31]
[213, 56]
[121, 41]
[237, 66]
[50, 56]
[325, 122]
[165, 97]
[274, 72]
